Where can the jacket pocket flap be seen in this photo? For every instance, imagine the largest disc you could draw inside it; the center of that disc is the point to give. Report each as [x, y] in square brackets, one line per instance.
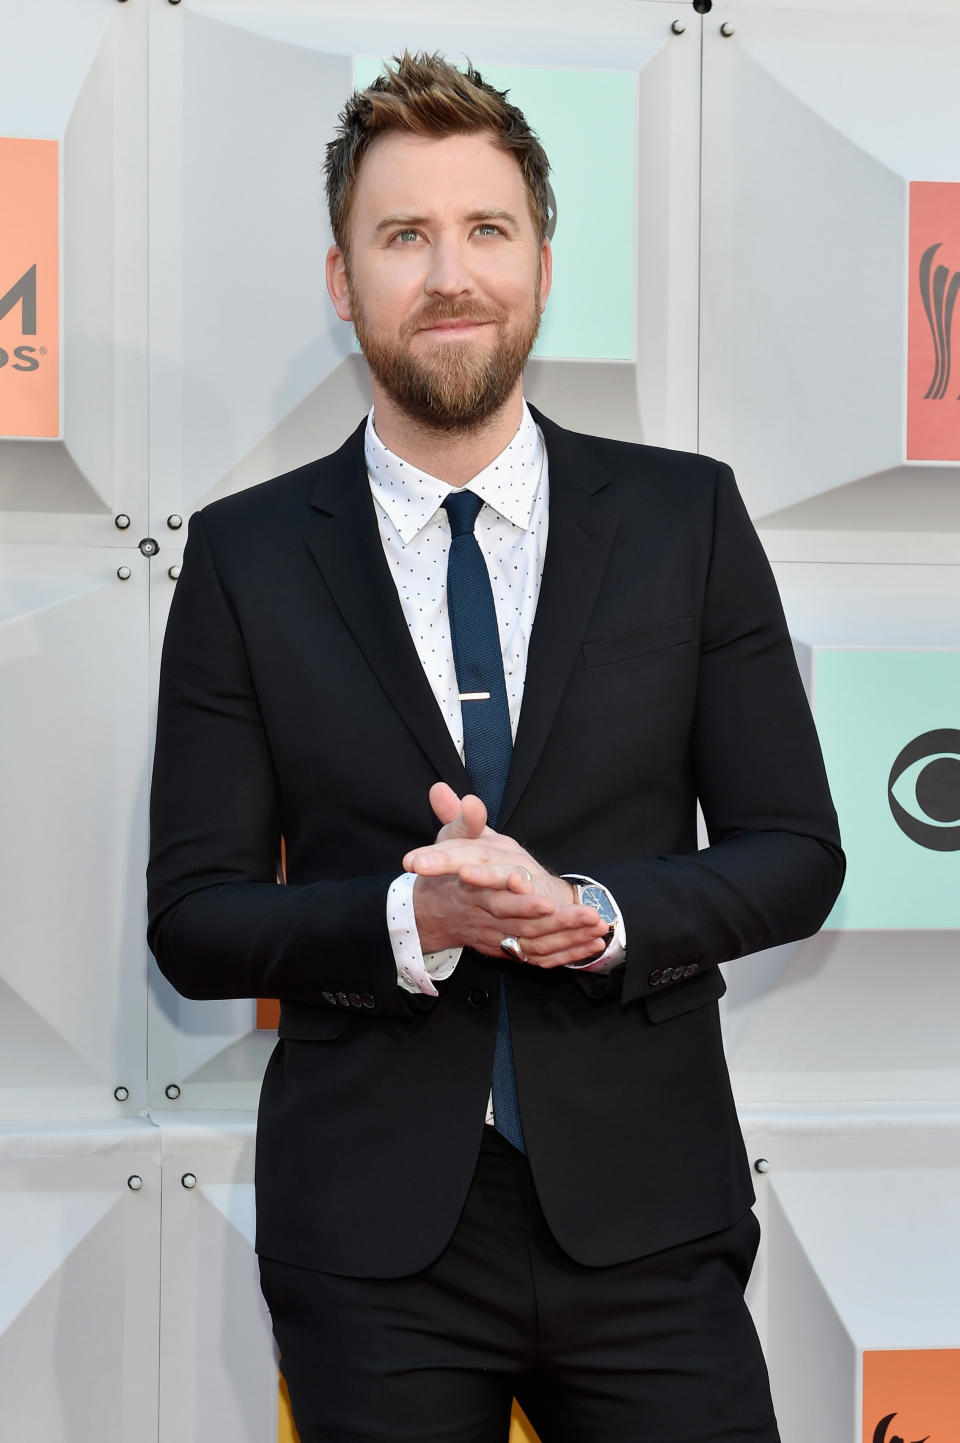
[685, 996]
[637, 643]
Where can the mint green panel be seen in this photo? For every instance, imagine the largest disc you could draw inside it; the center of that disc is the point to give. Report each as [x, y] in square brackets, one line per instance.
[587, 122]
[870, 706]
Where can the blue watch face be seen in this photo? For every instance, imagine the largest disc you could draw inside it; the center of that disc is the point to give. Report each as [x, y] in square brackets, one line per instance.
[593, 895]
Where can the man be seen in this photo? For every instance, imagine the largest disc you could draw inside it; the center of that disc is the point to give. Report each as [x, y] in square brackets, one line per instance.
[481, 728]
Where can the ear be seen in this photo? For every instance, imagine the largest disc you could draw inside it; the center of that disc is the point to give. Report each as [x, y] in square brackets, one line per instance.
[546, 273]
[336, 269]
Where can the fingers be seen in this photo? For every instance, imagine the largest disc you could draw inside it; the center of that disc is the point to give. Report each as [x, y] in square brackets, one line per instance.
[563, 948]
[466, 818]
[450, 853]
[547, 939]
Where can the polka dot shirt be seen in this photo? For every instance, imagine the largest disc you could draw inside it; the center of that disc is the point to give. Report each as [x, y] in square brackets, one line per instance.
[511, 531]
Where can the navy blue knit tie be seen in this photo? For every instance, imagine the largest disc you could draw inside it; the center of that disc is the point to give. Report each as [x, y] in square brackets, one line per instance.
[487, 740]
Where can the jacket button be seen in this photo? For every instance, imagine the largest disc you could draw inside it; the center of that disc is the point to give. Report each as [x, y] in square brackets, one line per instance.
[329, 998]
[654, 979]
[355, 999]
[368, 999]
[478, 996]
[689, 970]
[343, 999]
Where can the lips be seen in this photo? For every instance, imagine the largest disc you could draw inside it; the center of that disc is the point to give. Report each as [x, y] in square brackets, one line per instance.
[451, 323]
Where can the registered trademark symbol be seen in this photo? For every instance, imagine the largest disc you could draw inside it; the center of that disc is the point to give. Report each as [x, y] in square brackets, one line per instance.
[43, 350]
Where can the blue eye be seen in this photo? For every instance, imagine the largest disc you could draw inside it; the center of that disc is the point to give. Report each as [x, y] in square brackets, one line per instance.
[924, 790]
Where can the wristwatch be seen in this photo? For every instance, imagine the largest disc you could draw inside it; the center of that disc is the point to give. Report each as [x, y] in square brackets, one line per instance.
[591, 894]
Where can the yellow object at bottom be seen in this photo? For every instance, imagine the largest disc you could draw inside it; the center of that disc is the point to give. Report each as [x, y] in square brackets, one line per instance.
[520, 1429]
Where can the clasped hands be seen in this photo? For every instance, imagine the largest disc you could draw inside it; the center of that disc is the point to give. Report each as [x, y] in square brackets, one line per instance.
[476, 886]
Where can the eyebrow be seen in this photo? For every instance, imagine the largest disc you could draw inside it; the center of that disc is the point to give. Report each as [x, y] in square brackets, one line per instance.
[413, 221]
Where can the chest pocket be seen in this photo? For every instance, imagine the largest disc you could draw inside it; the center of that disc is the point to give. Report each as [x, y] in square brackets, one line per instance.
[637, 643]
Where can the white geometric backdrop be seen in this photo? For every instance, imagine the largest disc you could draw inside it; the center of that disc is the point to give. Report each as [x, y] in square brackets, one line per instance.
[751, 220]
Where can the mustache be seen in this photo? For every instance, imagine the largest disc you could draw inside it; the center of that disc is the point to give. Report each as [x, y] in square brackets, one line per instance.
[439, 311]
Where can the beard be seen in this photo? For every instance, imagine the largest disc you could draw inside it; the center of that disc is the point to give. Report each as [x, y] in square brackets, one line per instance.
[459, 385]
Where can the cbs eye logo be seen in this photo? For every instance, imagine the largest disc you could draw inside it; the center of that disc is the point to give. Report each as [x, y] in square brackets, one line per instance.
[924, 790]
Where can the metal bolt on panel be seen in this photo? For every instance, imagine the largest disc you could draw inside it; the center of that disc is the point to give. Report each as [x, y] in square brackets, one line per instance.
[172, 1091]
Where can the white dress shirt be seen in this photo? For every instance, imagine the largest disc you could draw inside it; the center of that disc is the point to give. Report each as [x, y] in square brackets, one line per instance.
[511, 531]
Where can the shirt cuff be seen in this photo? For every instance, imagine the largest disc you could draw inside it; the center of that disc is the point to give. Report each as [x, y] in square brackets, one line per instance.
[416, 970]
[616, 950]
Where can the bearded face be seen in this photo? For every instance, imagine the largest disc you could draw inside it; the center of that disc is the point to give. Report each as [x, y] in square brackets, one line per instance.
[450, 385]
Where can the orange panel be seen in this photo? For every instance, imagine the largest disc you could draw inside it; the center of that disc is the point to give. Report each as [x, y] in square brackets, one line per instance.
[520, 1427]
[268, 1013]
[29, 288]
[910, 1395]
[933, 338]
[286, 1430]
[268, 1009]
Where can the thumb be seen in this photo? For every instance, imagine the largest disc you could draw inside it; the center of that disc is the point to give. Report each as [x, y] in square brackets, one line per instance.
[445, 803]
[466, 818]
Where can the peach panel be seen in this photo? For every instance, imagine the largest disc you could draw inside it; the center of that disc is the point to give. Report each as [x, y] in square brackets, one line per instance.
[933, 365]
[29, 288]
[911, 1395]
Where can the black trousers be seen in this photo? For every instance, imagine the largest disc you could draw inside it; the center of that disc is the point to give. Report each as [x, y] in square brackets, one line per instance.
[657, 1350]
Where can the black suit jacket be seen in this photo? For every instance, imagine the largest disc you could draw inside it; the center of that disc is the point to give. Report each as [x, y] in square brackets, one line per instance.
[293, 703]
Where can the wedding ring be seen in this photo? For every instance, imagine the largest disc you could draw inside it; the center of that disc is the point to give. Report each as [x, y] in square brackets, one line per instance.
[511, 946]
[527, 876]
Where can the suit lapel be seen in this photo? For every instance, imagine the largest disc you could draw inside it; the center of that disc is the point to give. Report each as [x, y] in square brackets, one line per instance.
[346, 546]
[581, 531]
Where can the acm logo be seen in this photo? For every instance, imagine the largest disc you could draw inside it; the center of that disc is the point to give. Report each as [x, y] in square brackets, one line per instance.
[910, 1395]
[23, 293]
[29, 287]
[880, 1432]
[933, 397]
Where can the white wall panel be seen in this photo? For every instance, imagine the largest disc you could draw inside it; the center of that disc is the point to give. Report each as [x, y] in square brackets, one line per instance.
[73, 844]
[251, 372]
[814, 126]
[218, 1366]
[856, 1205]
[91, 55]
[79, 1283]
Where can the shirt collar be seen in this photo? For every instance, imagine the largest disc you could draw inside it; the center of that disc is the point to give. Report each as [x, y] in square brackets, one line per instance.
[410, 497]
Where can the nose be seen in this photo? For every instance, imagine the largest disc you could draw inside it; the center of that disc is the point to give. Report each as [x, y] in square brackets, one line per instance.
[448, 274]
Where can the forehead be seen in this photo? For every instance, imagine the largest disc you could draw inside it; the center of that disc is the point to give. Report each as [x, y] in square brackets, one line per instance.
[436, 176]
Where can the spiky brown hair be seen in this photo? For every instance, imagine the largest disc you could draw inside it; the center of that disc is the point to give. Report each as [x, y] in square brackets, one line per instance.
[425, 95]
